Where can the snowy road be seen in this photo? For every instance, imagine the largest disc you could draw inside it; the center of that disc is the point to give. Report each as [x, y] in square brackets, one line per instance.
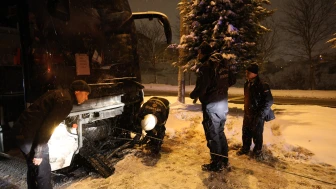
[238, 99]
[281, 97]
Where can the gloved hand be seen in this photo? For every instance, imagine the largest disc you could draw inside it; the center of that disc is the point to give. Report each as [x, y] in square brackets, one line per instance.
[136, 139]
[261, 115]
[144, 140]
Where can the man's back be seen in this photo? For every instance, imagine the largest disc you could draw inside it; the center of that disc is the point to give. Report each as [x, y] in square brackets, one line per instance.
[156, 106]
[214, 79]
[40, 117]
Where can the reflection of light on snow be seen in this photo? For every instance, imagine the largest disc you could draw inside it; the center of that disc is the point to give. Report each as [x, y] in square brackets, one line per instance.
[181, 116]
[186, 116]
[170, 133]
[62, 146]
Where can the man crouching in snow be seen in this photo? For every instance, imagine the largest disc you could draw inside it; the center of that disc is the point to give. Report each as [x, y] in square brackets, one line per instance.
[152, 117]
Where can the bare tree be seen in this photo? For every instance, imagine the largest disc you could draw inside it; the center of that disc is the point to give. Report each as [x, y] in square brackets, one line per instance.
[308, 23]
[269, 42]
[176, 27]
[151, 43]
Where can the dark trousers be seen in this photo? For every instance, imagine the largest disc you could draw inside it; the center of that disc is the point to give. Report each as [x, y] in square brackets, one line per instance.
[38, 177]
[158, 133]
[214, 117]
[253, 128]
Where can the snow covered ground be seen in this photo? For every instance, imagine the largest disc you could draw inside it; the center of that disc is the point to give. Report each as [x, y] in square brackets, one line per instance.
[311, 127]
[299, 150]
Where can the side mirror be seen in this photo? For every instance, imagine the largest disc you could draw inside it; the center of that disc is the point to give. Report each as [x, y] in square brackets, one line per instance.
[59, 9]
[163, 20]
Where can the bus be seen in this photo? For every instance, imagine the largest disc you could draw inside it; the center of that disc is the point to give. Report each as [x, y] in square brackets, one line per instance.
[47, 44]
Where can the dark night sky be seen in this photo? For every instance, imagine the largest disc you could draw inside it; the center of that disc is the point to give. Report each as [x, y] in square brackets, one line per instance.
[169, 7]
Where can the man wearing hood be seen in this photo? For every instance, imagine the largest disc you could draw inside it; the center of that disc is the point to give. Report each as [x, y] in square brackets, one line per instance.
[212, 90]
[36, 124]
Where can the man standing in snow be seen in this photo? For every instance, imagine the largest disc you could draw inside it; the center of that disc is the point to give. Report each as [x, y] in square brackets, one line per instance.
[212, 90]
[152, 117]
[36, 124]
[258, 100]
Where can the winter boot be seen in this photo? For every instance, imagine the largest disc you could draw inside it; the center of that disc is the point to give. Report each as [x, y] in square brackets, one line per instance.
[227, 166]
[242, 152]
[258, 155]
[213, 166]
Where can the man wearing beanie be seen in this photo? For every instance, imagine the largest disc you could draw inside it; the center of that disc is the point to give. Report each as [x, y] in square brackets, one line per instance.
[258, 100]
[36, 124]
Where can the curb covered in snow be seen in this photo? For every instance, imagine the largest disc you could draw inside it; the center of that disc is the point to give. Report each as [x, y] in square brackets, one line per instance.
[319, 94]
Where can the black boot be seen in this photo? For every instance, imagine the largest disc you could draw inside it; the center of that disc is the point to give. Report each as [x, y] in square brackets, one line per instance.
[227, 166]
[213, 166]
[258, 155]
[156, 149]
[155, 146]
[242, 152]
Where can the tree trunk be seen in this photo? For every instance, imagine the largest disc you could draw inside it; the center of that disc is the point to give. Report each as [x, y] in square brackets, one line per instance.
[312, 76]
[155, 74]
[181, 81]
[181, 86]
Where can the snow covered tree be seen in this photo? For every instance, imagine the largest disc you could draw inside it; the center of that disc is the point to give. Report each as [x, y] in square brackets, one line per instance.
[231, 27]
[333, 40]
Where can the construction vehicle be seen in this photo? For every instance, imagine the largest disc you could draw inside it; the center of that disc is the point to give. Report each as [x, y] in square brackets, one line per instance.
[47, 44]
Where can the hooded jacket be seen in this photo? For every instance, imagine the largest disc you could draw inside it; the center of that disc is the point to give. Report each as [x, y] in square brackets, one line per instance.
[37, 123]
[156, 106]
[212, 80]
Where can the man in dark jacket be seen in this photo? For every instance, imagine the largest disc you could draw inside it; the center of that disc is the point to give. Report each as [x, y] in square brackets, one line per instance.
[212, 90]
[36, 124]
[258, 100]
[152, 117]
